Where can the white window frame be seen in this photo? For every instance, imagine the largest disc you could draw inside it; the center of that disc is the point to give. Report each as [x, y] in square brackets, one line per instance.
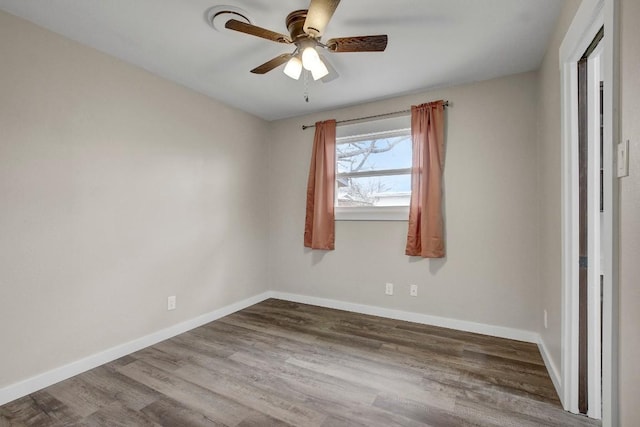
[372, 213]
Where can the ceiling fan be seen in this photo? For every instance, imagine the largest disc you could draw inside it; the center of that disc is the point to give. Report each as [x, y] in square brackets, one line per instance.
[306, 28]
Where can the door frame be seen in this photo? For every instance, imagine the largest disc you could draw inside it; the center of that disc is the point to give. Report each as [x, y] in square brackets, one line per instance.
[595, 219]
[590, 17]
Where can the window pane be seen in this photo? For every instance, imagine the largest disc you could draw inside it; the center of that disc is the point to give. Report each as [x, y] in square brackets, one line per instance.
[392, 190]
[374, 154]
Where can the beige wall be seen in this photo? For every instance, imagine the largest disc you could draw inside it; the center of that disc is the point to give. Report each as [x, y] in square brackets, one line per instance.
[550, 185]
[630, 216]
[117, 189]
[491, 272]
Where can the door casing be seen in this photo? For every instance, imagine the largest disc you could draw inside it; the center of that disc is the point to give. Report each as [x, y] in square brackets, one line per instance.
[591, 16]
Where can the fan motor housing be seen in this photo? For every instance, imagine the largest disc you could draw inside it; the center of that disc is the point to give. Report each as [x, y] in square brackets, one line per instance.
[295, 23]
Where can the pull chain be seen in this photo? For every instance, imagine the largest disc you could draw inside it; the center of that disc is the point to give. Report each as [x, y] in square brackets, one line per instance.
[306, 85]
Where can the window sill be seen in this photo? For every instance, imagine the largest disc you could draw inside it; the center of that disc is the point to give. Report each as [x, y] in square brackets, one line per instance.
[380, 213]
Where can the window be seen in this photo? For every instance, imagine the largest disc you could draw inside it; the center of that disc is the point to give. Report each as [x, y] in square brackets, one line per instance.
[373, 170]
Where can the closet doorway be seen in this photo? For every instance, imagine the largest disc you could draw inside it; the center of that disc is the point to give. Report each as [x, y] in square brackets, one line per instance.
[590, 224]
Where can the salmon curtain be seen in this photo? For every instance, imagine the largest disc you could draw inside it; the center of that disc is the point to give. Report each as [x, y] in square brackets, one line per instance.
[319, 226]
[425, 237]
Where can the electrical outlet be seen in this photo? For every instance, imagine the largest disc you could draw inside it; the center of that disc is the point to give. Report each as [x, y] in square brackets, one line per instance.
[546, 324]
[388, 289]
[413, 290]
[171, 302]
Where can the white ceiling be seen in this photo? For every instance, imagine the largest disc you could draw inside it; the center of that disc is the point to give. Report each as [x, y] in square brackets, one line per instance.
[432, 43]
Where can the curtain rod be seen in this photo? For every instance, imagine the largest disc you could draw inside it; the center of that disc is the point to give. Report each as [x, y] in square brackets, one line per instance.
[305, 127]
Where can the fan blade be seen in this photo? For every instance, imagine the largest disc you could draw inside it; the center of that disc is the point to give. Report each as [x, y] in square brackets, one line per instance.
[270, 65]
[318, 16]
[358, 44]
[253, 30]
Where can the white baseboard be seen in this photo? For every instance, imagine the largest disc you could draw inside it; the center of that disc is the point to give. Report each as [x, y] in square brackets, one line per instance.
[551, 367]
[38, 382]
[444, 322]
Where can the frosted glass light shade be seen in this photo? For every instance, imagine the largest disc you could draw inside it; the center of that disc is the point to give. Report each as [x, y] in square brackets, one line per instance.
[310, 58]
[293, 68]
[319, 70]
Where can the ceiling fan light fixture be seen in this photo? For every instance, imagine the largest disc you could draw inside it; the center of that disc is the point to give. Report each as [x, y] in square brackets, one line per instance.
[310, 58]
[305, 26]
[319, 70]
[293, 68]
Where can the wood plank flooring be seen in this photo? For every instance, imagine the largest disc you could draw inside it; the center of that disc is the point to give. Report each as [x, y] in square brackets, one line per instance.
[279, 363]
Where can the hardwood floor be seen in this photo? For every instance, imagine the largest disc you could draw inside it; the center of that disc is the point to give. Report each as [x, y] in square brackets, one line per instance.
[279, 363]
